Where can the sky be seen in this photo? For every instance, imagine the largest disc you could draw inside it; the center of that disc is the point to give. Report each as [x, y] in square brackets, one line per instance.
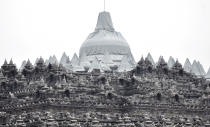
[34, 28]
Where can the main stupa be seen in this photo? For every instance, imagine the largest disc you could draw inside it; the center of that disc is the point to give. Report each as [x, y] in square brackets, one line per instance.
[106, 47]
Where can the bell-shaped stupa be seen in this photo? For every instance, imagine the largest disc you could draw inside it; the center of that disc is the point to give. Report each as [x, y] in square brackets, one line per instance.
[105, 41]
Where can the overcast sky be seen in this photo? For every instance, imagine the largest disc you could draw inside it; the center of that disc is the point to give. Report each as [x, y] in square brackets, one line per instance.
[33, 28]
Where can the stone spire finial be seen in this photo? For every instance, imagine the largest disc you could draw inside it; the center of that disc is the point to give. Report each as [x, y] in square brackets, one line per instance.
[11, 62]
[5, 62]
[104, 22]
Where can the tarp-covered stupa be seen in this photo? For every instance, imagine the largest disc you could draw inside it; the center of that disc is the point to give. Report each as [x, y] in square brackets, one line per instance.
[196, 68]
[201, 69]
[95, 65]
[105, 41]
[187, 66]
[171, 62]
[23, 65]
[149, 57]
[208, 74]
[124, 66]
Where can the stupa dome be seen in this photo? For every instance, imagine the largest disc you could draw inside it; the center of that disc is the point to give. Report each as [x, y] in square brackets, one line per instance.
[105, 40]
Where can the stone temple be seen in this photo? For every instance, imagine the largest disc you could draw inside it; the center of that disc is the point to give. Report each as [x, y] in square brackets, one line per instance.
[74, 93]
[106, 47]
